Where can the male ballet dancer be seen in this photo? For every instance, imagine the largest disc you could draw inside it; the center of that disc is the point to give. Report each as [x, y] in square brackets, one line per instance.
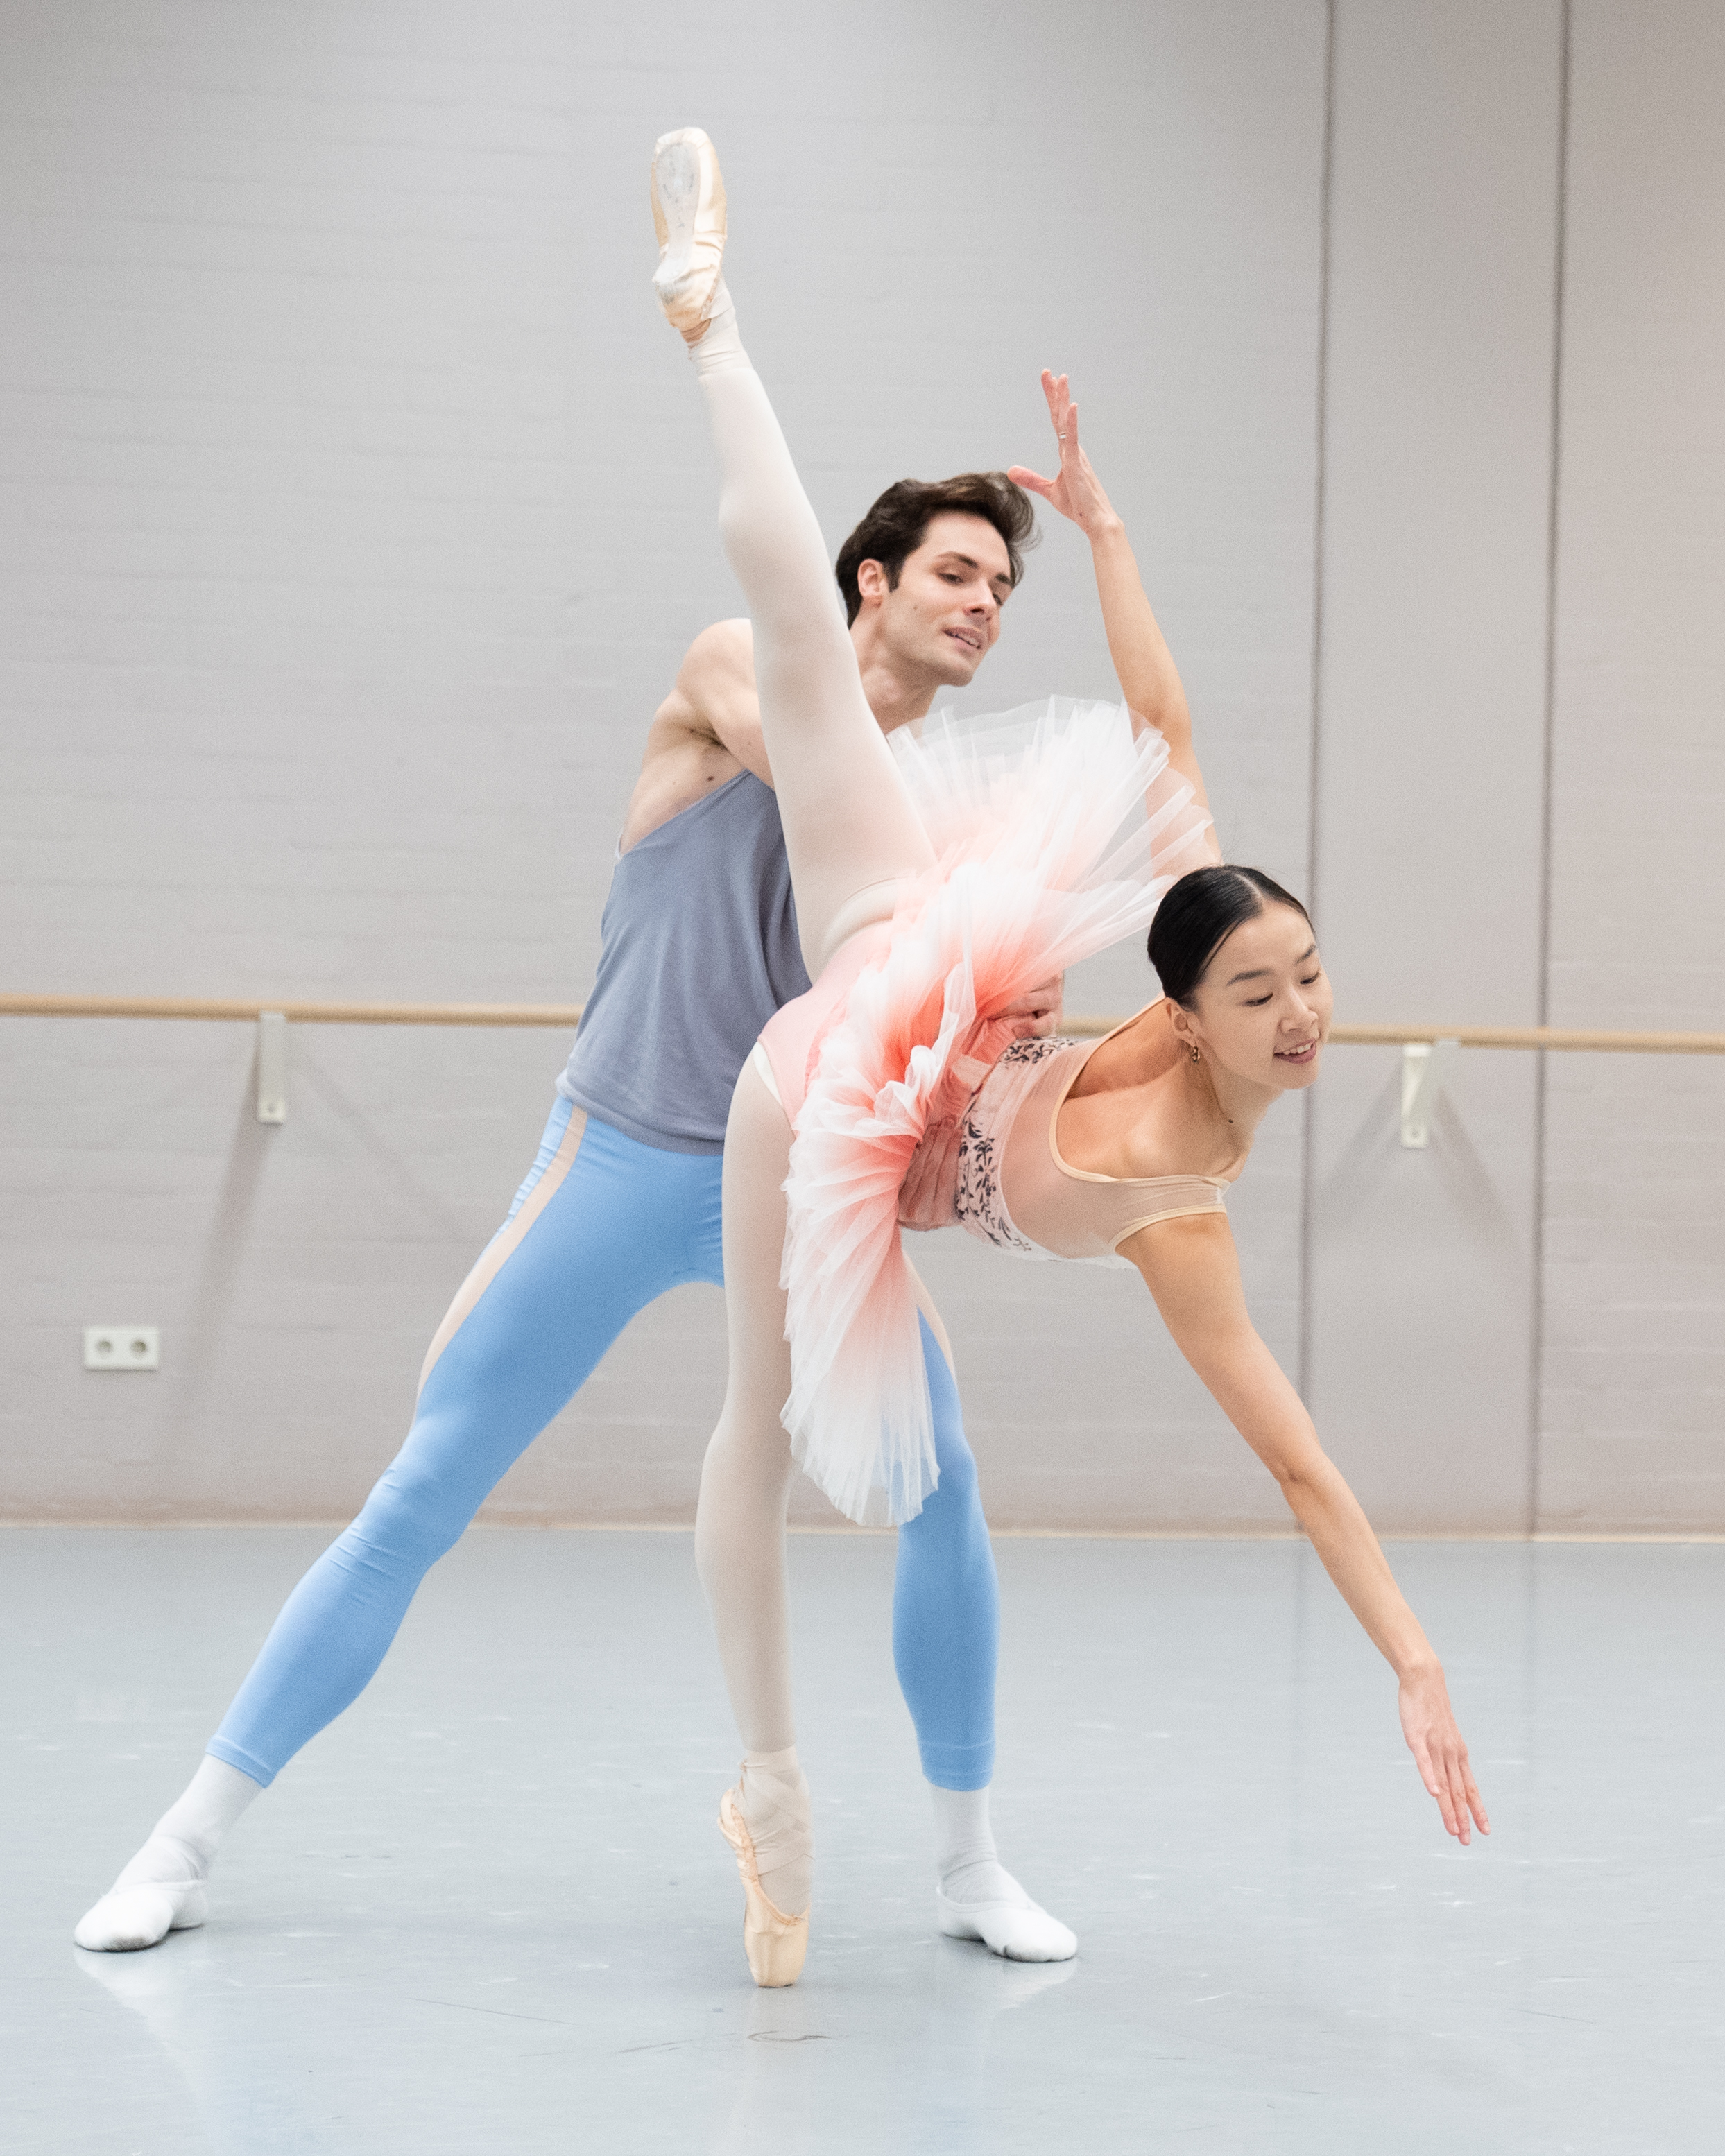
[698, 949]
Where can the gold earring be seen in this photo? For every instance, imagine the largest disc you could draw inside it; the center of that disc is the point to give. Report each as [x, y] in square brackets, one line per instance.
[1194, 1051]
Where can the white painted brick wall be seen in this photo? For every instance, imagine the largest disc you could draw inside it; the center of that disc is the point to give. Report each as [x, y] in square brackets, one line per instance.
[1437, 486]
[356, 512]
[1633, 1376]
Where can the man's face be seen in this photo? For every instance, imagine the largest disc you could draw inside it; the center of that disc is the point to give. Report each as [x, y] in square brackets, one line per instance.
[944, 613]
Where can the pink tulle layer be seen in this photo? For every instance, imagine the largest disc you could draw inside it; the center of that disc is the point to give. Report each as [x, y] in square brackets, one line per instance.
[1056, 831]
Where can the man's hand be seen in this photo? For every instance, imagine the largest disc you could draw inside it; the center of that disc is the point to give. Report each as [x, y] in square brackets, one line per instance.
[927, 1197]
[1039, 1008]
[1077, 493]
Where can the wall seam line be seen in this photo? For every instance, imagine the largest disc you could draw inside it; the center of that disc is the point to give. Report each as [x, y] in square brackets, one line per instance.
[1535, 1376]
[1321, 422]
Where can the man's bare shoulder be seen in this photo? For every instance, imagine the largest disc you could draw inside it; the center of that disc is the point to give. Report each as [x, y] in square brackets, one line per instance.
[714, 700]
[720, 659]
[706, 730]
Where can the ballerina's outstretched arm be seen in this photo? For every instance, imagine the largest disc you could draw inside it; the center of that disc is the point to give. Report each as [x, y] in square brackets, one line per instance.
[1143, 665]
[1190, 1265]
[1192, 1269]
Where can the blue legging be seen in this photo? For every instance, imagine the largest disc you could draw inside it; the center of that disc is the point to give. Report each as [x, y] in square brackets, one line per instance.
[625, 1222]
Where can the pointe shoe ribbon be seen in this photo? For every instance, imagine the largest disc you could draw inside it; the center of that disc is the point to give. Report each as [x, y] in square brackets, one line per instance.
[775, 1944]
[688, 192]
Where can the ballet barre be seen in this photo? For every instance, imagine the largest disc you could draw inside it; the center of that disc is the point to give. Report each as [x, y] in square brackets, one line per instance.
[298, 1014]
[1425, 1049]
[272, 1020]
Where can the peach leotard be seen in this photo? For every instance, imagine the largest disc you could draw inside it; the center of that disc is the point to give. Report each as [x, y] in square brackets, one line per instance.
[1016, 1190]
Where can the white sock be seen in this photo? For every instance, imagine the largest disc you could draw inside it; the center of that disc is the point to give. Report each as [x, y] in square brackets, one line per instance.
[978, 1897]
[774, 1799]
[965, 1860]
[719, 344]
[162, 1889]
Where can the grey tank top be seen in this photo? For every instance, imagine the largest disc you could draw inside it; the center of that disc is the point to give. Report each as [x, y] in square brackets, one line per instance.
[697, 949]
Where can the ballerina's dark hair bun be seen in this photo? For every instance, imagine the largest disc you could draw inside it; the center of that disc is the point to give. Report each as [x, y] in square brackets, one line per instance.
[1199, 914]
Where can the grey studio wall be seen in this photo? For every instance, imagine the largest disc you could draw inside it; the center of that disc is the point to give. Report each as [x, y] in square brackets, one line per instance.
[355, 512]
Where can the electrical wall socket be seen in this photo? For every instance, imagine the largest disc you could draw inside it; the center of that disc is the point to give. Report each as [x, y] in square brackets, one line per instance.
[122, 1347]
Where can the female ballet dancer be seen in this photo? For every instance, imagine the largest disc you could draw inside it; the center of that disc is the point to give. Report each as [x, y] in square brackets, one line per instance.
[933, 880]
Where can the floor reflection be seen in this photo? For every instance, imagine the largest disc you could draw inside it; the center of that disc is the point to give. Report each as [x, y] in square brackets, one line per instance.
[489, 1908]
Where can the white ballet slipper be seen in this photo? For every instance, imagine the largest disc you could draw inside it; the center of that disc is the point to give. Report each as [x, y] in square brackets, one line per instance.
[1016, 1931]
[132, 1918]
[688, 191]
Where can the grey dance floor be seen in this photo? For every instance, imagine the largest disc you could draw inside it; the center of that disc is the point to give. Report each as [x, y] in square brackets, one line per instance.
[490, 1910]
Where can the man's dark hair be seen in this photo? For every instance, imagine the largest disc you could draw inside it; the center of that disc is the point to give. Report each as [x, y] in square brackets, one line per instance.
[894, 527]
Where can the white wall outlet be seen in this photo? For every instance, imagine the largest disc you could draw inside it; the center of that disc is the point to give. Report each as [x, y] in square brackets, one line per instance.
[122, 1347]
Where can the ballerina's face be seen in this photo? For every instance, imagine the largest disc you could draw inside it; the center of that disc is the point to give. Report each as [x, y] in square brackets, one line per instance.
[944, 615]
[1262, 1009]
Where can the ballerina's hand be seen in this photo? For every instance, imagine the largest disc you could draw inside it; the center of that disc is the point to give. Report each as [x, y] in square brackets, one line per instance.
[1429, 1724]
[1077, 493]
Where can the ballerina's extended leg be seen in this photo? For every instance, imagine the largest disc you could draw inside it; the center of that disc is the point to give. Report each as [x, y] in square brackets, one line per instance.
[850, 829]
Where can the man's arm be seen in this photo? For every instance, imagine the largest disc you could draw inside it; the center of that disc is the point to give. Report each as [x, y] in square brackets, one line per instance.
[713, 700]
[1149, 680]
[706, 731]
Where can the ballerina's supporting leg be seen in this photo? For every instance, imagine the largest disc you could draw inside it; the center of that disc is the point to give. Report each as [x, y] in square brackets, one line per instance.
[945, 1602]
[745, 1487]
[739, 1546]
[739, 1535]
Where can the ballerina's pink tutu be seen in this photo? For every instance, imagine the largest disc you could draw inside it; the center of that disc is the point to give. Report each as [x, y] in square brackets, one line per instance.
[1056, 831]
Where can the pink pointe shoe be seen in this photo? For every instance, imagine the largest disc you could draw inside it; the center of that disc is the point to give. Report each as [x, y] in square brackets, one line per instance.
[688, 191]
[774, 1942]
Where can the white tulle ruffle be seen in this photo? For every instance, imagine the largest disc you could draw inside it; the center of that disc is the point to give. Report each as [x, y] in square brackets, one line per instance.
[1056, 831]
